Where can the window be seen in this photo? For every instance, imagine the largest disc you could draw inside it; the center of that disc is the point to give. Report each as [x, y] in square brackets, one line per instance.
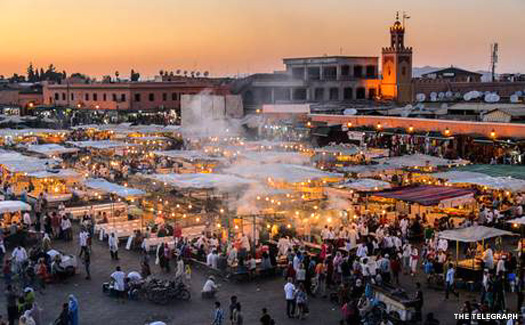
[123, 97]
[151, 97]
[403, 71]
[358, 71]
[72, 96]
[345, 70]
[370, 71]
[164, 97]
[371, 93]
[298, 73]
[299, 94]
[360, 93]
[104, 97]
[57, 96]
[137, 97]
[114, 97]
[330, 73]
[319, 94]
[95, 96]
[348, 93]
[63, 96]
[314, 73]
[86, 96]
[334, 93]
[173, 96]
[281, 94]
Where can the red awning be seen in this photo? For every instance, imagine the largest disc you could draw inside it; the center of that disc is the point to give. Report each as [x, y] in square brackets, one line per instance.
[425, 194]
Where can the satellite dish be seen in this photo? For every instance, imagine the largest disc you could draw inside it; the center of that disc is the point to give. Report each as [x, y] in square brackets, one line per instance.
[458, 95]
[421, 97]
[491, 98]
[433, 96]
[441, 95]
[449, 94]
[519, 93]
[514, 99]
[350, 111]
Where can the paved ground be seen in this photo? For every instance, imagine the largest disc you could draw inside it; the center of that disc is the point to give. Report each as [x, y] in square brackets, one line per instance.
[97, 308]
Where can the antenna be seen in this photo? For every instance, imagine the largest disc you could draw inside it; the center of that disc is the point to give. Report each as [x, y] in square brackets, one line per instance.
[405, 18]
[494, 48]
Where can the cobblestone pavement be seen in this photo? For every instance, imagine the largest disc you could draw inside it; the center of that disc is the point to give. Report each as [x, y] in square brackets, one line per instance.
[97, 308]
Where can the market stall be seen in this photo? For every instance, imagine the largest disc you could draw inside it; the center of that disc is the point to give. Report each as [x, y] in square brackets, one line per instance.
[472, 266]
[50, 149]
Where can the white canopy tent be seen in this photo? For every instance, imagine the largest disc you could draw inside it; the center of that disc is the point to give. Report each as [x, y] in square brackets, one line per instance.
[189, 155]
[517, 221]
[50, 149]
[219, 182]
[419, 160]
[108, 187]
[59, 173]
[279, 172]
[101, 144]
[13, 206]
[473, 234]
[18, 163]
[474, 178]
[364, 185]
[271, 157]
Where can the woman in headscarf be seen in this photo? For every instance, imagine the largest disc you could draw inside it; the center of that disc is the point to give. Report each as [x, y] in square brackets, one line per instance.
[73, 310]
[26, 319]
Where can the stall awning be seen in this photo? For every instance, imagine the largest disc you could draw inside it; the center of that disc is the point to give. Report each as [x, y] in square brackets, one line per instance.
[56, 173]
[473, 234]
[108, 187]
[50, 149]
[517, 221]
[425, 194]
[219, 182]
[13, 206]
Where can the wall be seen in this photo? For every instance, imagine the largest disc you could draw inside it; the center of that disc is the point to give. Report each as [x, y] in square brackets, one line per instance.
[503, 130]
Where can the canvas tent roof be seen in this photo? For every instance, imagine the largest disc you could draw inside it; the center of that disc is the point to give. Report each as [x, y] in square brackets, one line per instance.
[425, 194]
[101, 144]
[50, 149]
[59, 173]
[365, 184]
[18, 163]
[473, 234]
[268, 157]
[13, 206]
[190, 155]
[515, 171]
[108, 187]
[280, 172]
[418, 160]
[201, 181]
[518, 221]
[475, 178]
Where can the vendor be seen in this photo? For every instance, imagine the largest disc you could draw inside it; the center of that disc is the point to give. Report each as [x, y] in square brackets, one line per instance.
[488, 258]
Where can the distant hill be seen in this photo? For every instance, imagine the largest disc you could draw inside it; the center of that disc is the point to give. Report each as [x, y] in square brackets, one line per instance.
[418, 71]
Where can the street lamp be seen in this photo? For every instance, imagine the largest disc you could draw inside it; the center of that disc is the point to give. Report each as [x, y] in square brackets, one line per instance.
[493, 134]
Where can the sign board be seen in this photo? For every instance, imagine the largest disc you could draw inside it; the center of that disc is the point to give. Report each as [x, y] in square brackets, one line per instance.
[290, 109]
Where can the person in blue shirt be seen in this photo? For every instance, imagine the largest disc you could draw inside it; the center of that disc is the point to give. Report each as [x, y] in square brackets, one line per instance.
[218, 315]
[449, 281]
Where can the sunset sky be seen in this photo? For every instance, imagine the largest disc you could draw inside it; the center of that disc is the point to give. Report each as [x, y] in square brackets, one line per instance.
[98, 37]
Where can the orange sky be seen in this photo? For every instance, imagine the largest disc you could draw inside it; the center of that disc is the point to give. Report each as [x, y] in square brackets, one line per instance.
[98, 37]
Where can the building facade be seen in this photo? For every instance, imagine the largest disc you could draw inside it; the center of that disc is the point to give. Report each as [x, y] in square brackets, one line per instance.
[315, 80]
[127, 95]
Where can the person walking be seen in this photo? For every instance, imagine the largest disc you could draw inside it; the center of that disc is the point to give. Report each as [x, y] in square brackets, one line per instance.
[113, 246]
[12, 310]
[449, 281]
[218, 315]
[418, 303]
[233, 306]
[289, 292]
[86, 260]
[266, 319]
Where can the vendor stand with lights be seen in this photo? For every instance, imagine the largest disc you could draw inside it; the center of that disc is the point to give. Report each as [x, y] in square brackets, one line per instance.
[471, 267]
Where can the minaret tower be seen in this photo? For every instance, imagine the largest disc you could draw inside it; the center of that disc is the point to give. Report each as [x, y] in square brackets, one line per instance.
[397, 66]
